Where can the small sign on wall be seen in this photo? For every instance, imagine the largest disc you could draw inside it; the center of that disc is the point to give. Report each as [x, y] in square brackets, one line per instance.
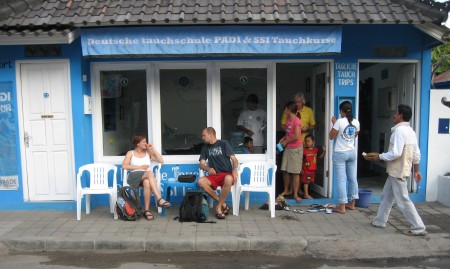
[9, 182]
[443, 127]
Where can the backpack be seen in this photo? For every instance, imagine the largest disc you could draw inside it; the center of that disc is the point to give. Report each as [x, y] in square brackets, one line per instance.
[194, 207]
[128, 204]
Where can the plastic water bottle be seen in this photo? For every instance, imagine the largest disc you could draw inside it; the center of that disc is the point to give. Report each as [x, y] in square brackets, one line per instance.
[176, 171]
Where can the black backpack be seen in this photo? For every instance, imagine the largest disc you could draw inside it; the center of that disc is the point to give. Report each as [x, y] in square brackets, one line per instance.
[194, 207]
[128, 204]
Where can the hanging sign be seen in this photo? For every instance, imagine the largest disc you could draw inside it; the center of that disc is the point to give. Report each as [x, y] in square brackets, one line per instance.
[221, 40]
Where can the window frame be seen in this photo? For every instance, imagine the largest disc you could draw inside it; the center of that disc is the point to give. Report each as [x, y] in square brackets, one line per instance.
[154, 108]
[97, 116]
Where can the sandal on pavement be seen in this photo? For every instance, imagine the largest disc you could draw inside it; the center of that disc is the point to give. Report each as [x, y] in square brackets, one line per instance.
[299, 211]
[287, 208]
[165, 204]
[220, 216]
[148, 215]
[329, 210]
[314, 208]
[226, 210]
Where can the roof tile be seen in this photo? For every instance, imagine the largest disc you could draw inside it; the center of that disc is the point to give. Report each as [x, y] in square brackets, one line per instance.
[22, 14]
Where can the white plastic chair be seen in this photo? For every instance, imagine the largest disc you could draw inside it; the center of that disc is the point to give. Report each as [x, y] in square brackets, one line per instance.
[261, 180]
[233, 194]
[98, 184]
[156, 168]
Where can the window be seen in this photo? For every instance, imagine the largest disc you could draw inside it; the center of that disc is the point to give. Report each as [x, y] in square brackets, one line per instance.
[124, 109]
[183, 110]
[237, 84]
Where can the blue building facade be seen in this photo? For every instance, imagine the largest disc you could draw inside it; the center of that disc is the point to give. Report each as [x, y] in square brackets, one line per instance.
[66, 104]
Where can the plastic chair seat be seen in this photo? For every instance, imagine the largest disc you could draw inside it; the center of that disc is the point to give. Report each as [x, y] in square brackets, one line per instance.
[261, 180]
[98, 184]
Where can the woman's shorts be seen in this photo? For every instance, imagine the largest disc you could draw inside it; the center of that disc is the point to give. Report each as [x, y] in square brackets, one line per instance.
[292, 160]
[134, 178]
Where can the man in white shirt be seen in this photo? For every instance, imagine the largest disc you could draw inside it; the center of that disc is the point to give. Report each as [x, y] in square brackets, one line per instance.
[252, 122]
[402, 154]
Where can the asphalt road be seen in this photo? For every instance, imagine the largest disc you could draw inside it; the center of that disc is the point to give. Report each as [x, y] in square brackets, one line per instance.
[198, 260]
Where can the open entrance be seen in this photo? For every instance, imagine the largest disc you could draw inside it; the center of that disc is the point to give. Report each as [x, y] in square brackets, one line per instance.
[382, 86]
[311, 80]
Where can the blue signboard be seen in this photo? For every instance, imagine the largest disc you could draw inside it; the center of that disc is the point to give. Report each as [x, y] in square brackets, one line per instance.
[8, 158]
[215, 40]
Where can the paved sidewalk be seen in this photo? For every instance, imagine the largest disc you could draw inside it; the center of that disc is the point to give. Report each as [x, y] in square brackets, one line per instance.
[333, 236]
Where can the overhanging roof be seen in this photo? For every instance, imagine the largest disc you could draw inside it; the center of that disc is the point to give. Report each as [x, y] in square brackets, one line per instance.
[28, 17]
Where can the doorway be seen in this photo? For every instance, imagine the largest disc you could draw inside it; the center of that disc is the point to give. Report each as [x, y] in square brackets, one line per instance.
[311, 80]
[382, 86]
[46, 131]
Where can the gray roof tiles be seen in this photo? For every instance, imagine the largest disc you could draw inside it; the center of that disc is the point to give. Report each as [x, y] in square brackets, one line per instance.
[107, 12]
[20, 15]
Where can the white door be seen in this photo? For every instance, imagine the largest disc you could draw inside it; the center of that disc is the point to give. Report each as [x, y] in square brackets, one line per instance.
[321, 94]
[407, 96]
[47, 131]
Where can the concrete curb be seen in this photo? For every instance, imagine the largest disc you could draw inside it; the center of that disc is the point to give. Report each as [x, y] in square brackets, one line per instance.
[325, 247]
[290, 245]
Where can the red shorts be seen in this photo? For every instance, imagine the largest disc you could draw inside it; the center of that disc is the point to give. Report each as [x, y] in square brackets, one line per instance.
[217, 179]
[308, 176]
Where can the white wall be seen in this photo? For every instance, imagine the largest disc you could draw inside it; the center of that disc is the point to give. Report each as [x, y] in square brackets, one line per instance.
[438, 144]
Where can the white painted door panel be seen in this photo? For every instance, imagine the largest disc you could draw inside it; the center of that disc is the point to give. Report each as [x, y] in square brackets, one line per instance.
[47, 123]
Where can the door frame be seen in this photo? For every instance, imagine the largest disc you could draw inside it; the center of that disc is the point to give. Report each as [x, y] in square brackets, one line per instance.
[326, 67]
[20, 121]
[417, 91]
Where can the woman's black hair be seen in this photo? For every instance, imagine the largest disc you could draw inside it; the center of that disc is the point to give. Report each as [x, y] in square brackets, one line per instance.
[346, 107]
[291, 106]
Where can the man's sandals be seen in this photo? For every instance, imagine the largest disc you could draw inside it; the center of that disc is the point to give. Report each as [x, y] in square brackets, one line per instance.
[225, 212]
[165, 204]
[148, 215]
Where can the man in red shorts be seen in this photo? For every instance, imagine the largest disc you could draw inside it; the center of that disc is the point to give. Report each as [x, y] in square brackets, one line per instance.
[221, 172]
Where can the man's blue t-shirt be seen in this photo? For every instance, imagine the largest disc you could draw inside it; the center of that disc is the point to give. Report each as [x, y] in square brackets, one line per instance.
[218, 156]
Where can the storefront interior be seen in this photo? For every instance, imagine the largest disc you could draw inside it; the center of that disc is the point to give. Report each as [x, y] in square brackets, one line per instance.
[173, 103]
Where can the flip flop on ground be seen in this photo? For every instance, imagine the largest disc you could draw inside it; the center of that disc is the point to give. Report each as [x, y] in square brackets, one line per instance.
[298, 211]
[316, 208]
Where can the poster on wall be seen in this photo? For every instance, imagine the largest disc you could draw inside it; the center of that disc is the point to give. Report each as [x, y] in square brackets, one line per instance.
[8, 157]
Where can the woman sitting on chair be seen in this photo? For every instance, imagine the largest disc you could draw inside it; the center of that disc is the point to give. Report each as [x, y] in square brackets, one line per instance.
[138, 162]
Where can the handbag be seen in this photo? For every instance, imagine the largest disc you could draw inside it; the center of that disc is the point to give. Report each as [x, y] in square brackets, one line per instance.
[186, 178]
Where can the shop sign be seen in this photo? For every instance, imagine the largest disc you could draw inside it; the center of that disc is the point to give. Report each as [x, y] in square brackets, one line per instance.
[8, 134]
[237, 40]
[9, 182]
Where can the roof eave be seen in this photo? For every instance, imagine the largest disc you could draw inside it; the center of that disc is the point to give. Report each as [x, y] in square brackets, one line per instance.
[41, 39]
[440, 33]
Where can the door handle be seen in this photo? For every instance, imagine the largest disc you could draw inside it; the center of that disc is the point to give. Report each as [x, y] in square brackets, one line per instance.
[26, 139]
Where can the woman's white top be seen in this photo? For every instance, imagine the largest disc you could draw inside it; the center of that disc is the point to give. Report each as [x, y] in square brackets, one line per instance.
[345, 139]
[139, 161]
